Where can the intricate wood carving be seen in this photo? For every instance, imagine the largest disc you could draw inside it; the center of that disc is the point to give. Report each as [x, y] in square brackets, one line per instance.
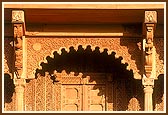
[150, 20]
[30, 93]
[19, 31]
[57, 86]
[149, 54]
[128, 50]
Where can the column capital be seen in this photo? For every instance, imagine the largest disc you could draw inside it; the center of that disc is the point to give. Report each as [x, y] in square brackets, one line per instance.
[147, 81]
[20, 82]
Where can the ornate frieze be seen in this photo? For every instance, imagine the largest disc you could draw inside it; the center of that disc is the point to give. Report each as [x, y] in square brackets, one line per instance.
[122, 47]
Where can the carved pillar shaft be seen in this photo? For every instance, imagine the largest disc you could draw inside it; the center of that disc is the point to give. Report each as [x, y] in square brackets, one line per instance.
[19, 90]
[148, 90]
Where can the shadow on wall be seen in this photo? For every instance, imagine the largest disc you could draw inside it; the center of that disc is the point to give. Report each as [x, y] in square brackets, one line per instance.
[9, 53]
[8, 88]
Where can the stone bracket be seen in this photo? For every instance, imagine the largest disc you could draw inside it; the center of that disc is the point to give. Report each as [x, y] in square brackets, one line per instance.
[148, 47]
[19, 32]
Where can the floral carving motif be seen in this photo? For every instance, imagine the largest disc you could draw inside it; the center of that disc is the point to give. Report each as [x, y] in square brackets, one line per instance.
[50, 45]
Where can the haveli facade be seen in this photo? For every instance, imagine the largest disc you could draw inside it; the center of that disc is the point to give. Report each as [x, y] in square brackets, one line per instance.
[84, 57]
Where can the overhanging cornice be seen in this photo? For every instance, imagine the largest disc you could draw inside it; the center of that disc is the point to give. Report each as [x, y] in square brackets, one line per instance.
[85, 6]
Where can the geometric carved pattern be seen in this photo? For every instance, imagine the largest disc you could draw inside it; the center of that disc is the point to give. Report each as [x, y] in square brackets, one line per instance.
[57, 96]
[128, 49]
[39, 94]
[50, 100]
[30, 96]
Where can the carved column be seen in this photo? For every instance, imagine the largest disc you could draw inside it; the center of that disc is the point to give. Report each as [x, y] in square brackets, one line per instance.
[19, 55]
[149, 58]
[19, 90]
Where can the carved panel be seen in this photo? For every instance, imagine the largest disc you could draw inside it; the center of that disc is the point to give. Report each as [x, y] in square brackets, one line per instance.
[40, 94]
[57, 88]
[30, 96]
[49, 94]
[71, 97]
[96, 97]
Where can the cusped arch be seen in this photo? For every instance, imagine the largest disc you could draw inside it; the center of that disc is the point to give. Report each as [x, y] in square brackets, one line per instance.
[93, 48]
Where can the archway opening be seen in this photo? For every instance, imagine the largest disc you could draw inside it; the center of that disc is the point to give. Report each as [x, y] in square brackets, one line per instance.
[95, 63]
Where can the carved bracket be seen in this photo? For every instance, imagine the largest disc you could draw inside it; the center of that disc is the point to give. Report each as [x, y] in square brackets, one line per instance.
[149, 24]
[19, 32]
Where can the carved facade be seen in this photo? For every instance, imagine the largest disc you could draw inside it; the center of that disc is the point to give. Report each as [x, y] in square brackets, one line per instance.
[80, 67]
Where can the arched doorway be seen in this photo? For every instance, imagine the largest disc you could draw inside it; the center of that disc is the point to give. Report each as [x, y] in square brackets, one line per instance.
[86, 80]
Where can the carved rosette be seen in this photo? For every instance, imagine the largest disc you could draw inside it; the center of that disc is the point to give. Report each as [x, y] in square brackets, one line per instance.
[18, 26]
